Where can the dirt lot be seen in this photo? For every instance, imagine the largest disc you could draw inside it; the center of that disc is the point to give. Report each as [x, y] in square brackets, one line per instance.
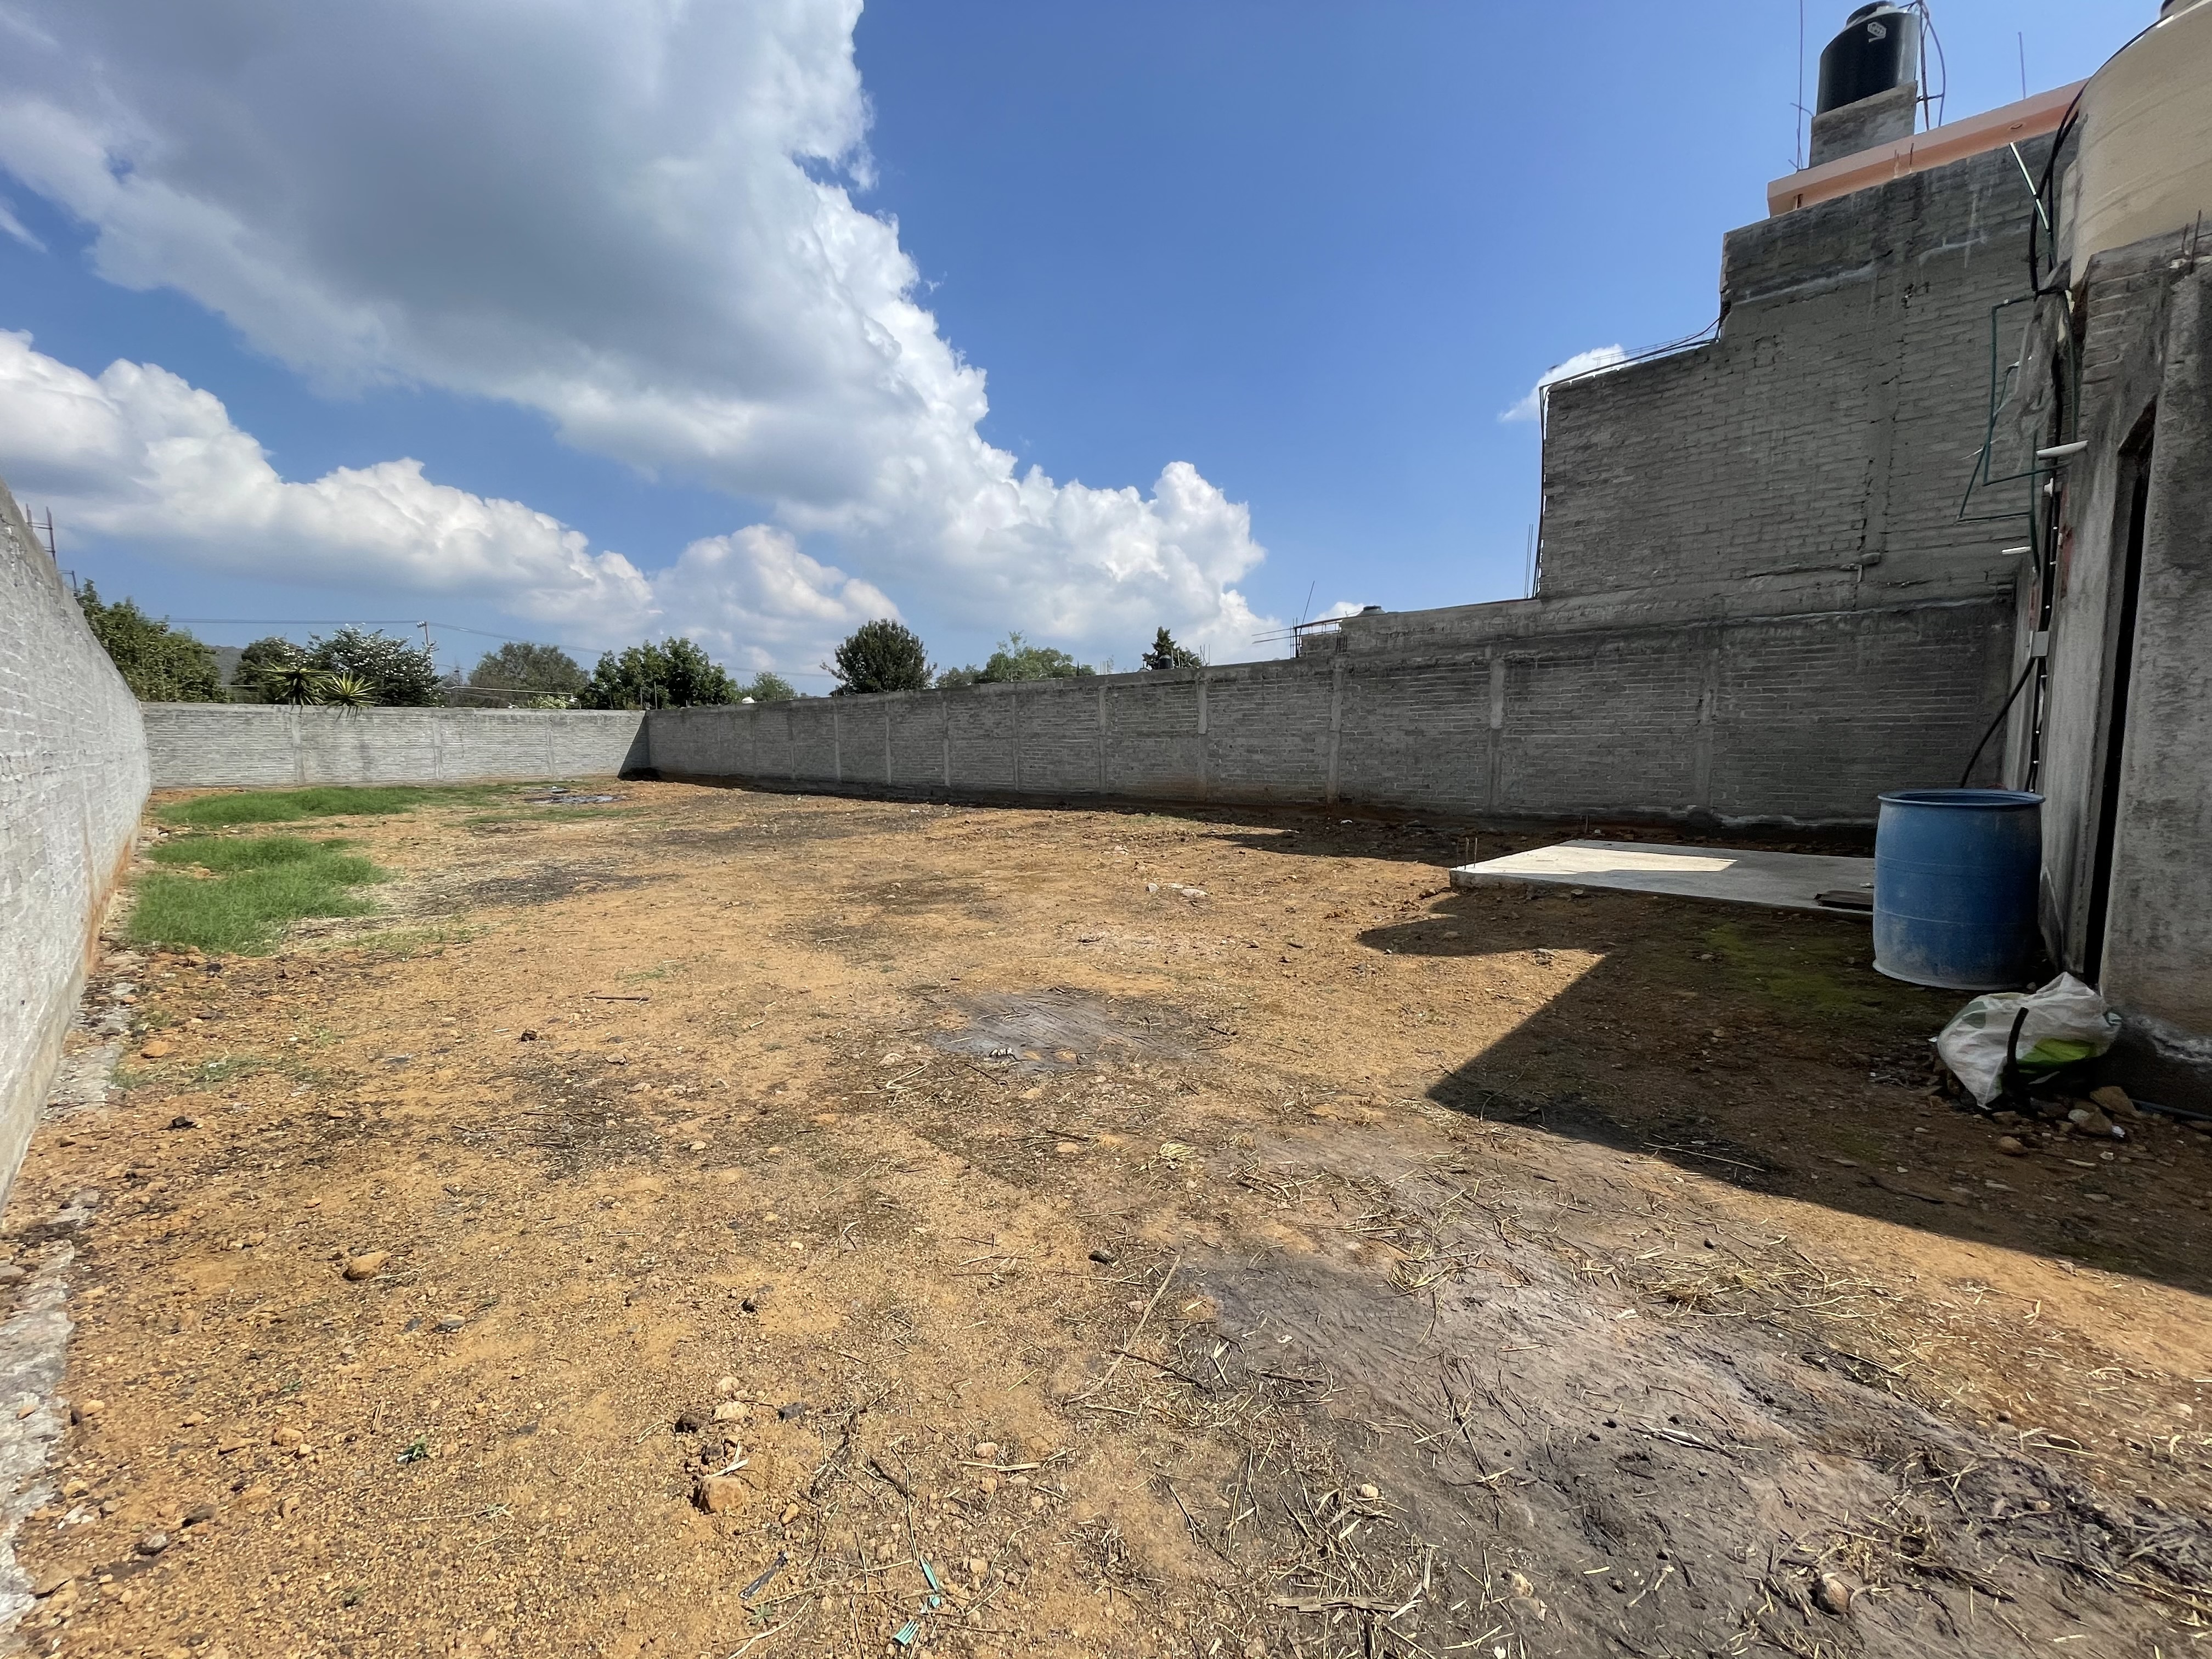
[730, 1222]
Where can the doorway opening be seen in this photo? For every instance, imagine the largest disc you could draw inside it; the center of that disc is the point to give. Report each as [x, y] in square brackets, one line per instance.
[2134, 508]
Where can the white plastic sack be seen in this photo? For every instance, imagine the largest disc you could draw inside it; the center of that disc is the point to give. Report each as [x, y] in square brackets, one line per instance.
[2066, 1021]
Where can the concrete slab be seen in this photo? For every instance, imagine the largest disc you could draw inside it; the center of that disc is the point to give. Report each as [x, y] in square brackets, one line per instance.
[1782, 881]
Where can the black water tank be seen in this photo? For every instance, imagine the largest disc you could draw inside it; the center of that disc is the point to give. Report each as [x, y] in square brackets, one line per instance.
[1878, 48]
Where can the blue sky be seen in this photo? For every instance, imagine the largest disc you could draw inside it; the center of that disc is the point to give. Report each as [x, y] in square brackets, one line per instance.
[635, 304]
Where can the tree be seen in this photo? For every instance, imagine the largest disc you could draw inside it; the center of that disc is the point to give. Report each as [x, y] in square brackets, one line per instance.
[528, 670]
[695, 679]
[1016, 660]
[397, 673]
[769, 686]
[675, 674]
[880, 656]
[634, 678]
[1166, 653]
[159, 663]
[262, 665]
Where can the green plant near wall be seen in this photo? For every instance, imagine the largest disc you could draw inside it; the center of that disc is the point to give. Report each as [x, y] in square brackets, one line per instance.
[329, 801]
[882, 655]
[159, 663]
[237, 894]
[291, 683]
[396, 673]
[677, 673]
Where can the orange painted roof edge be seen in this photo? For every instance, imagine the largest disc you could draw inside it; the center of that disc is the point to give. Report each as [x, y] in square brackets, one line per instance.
[1952, 141]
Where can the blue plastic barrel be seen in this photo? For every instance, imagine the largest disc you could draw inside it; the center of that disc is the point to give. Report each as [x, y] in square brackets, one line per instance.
[1954, 882]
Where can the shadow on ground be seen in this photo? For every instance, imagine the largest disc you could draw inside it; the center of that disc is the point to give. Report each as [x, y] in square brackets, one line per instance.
[1760, 1047]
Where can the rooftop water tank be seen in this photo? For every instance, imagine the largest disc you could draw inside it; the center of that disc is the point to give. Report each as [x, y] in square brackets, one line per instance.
[1878, 50]
[2142, 150]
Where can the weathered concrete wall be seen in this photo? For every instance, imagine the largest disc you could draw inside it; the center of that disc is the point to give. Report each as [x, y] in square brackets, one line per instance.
[72, 780]
[2139, 374]
[1765, 719]
[1812, 456]
[2103, 399]
[203, 745]
[2159, 936]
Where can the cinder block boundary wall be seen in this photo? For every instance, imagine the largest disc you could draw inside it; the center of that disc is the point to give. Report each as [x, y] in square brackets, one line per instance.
[249, 745]
[1768, 720]
[73, 779]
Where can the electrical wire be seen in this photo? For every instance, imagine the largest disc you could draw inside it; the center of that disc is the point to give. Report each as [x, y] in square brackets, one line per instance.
[338, 621]
[2003, 708]
[1932, 105]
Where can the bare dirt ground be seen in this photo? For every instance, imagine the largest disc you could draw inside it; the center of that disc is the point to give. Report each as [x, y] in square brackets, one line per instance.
[731, 1222]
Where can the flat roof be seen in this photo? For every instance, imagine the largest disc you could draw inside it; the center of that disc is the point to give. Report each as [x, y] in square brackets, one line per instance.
[1954, 141]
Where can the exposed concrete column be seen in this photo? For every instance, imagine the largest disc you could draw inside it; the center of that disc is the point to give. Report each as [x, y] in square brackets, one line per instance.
[2157, 943]
[1102, 740]
[1335, 721]
[1204, 769]
[1494, 734]
[1891, 297]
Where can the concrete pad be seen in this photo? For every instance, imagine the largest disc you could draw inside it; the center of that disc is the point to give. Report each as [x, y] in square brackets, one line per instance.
[1782, 881]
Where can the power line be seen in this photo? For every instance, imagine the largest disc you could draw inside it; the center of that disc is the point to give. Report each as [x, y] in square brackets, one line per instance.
[340, 622]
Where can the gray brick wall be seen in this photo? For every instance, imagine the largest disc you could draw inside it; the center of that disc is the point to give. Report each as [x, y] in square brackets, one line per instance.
[1820, 445]
[72, 781]
[1801, 718]
[207, 744]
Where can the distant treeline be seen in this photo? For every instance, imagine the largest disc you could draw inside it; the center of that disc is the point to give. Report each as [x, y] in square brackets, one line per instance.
[363, 668]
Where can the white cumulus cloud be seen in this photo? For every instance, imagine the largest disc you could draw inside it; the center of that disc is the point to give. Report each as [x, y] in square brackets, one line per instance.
[766, 604]
[138, 455]
[636, 217]
[1531, 407]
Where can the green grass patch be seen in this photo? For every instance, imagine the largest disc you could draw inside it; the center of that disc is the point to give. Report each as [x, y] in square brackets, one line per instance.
[237, 894]
[290, 805]
[1824, 969]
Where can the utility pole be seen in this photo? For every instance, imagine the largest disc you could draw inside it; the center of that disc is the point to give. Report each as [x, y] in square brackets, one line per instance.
[428, 644]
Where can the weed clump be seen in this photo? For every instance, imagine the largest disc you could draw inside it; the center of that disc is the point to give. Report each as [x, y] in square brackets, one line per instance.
[290, 805]
[237, 894]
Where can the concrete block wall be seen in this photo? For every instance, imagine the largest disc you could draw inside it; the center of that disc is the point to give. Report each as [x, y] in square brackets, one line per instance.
[207, 744]
[1813, 455]
[73, 778]
[2142, 370]
[1801, 720]
[2158, 945]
